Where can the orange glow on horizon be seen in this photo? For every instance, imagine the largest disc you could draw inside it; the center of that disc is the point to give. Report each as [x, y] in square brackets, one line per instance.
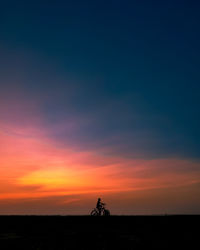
[35, 166]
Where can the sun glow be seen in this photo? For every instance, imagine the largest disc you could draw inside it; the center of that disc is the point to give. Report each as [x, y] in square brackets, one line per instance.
[33, 166]
[52, 178]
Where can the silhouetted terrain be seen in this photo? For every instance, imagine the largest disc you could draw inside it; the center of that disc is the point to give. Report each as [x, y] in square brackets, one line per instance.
[85, 232]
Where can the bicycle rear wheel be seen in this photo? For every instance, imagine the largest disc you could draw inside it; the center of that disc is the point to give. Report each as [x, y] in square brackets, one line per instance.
[94, 212]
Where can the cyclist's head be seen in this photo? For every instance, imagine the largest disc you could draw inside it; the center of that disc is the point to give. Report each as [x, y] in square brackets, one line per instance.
[99, 199]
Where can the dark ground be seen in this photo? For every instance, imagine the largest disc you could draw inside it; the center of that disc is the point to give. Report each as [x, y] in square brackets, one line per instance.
[85, 232]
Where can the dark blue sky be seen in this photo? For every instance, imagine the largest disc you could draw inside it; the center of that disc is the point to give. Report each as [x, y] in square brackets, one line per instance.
[127, 72]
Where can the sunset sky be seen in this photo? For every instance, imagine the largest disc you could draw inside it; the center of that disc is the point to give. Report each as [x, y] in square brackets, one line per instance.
[99, 99]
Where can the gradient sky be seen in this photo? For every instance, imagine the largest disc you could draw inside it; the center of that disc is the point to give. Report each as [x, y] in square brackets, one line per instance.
[99, 99]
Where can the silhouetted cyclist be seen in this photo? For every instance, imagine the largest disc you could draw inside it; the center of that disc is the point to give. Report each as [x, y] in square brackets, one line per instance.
[99, 205]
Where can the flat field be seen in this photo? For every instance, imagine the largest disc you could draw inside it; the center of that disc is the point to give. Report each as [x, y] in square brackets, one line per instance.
[86, 232]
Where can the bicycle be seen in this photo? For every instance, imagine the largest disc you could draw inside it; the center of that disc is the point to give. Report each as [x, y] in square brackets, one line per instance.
[104, 212]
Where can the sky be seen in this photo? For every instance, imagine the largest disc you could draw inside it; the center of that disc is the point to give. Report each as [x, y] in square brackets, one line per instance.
[99, 99]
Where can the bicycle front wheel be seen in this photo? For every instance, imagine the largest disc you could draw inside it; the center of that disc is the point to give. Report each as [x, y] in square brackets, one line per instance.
[106, 212]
